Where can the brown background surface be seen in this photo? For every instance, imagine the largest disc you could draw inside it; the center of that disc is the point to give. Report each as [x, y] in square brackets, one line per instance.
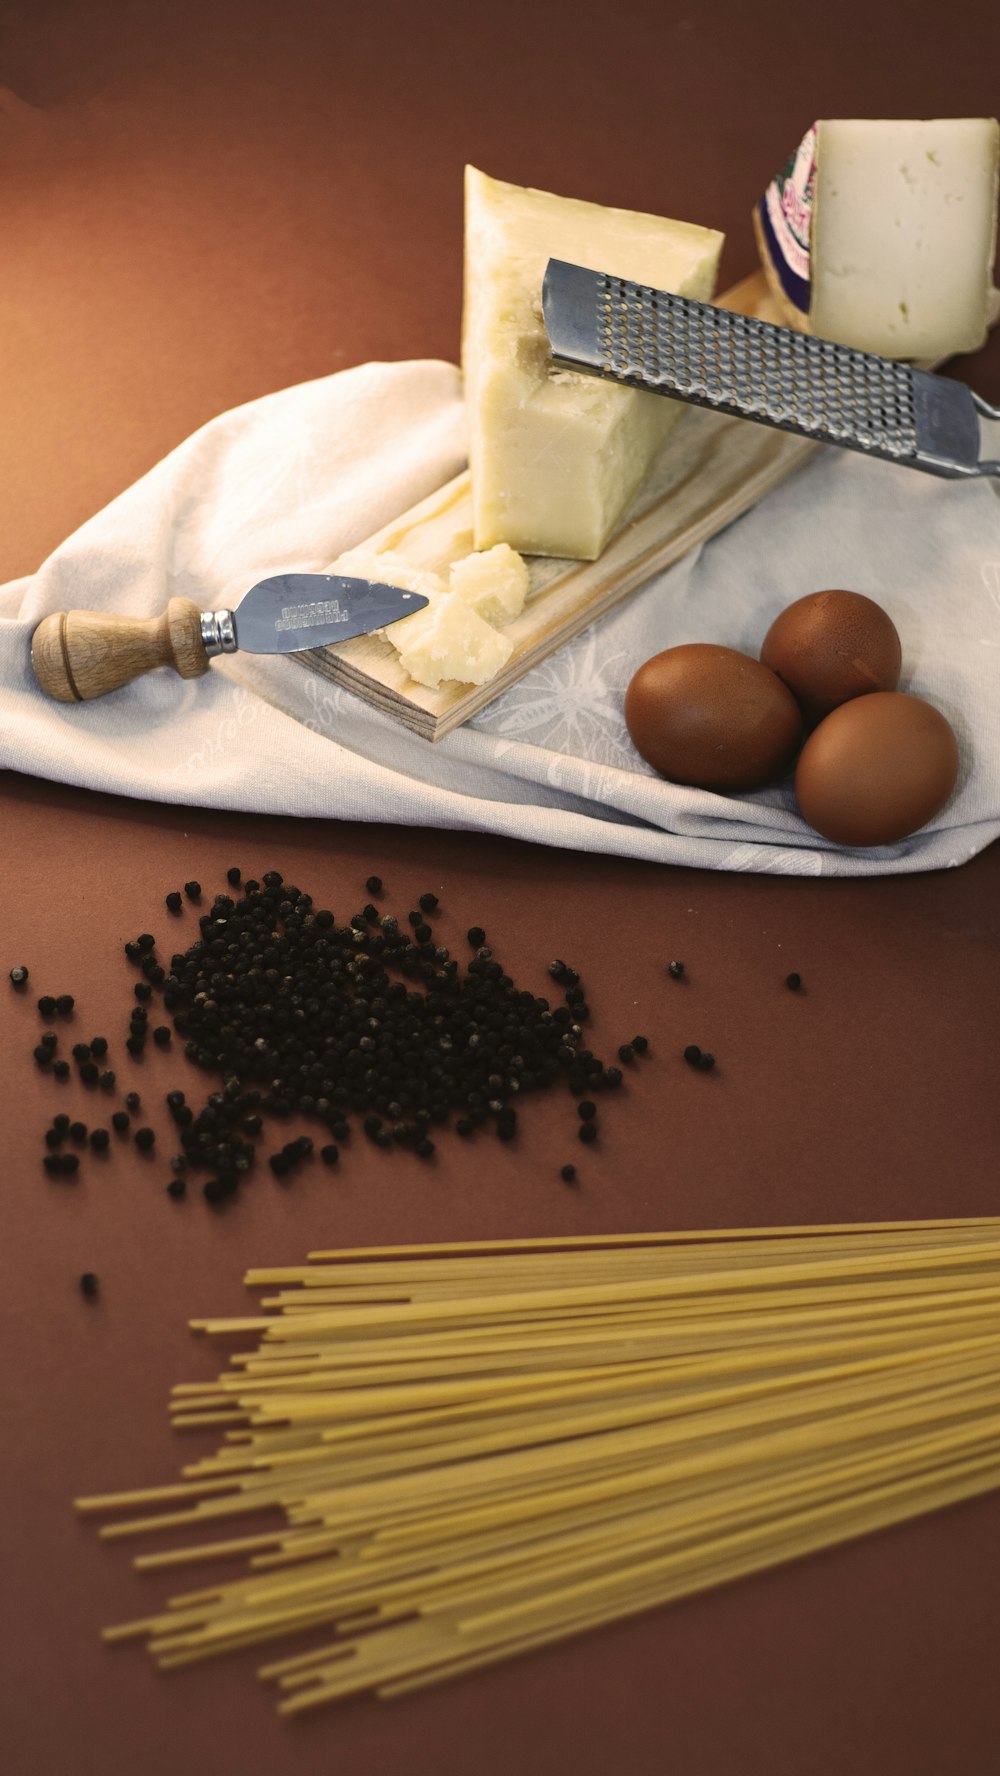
[201, 204]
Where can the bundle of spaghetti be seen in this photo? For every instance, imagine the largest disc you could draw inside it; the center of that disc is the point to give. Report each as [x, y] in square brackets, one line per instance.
[463, 1452]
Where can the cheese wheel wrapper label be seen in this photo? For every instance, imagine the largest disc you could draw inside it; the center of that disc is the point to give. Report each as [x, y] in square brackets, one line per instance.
[785, 217]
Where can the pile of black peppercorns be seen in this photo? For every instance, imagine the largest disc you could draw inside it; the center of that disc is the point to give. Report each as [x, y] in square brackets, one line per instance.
[301, 1015]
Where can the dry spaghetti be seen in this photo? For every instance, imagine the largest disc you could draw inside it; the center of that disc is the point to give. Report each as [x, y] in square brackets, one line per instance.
[479, 1449]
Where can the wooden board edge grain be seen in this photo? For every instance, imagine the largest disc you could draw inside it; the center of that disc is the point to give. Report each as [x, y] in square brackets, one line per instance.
[713, 469]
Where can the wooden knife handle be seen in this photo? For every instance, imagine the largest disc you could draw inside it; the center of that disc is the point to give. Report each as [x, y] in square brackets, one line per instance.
[82, 654]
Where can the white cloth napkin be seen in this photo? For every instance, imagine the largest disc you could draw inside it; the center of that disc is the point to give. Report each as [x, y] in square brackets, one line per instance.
[293, 479]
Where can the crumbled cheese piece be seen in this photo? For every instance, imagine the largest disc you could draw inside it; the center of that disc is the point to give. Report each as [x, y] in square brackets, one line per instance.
[386, 568]
[880, 234]
[494, 582]
[449, 641]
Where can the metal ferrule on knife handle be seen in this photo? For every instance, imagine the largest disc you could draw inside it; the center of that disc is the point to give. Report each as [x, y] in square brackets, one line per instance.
[218, 633]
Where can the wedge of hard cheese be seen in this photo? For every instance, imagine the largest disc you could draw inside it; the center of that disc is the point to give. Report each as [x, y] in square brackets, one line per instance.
[556, 457]
[881, 234]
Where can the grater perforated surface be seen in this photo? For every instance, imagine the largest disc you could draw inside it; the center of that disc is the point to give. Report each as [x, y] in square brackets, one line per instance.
[739, 365]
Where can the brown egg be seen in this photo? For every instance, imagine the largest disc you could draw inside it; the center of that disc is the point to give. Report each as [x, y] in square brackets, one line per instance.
[877, 769]
[831, 646]
[712, 718]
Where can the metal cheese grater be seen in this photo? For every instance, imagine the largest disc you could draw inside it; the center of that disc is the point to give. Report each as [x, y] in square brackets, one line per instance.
[694, 352]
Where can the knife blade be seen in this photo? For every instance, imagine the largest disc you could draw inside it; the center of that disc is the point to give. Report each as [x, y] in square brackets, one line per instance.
[79, 655]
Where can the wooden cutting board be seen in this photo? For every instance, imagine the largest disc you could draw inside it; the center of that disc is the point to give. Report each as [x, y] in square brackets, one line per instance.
[712, 469]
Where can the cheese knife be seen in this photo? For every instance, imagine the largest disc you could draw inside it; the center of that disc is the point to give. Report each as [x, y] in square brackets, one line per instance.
[77, 655]
[693, 351]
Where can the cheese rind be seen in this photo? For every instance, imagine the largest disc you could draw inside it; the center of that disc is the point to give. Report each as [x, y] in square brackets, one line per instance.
[555, 457]
[881, 234]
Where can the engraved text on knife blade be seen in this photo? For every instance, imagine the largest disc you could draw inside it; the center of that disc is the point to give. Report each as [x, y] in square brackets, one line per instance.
[312, 616]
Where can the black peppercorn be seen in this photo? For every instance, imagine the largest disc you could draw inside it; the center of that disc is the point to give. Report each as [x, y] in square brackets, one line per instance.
[676, 969]
[61, 1122]
[234, 876]
[53, 1164]
[53, 1137]
[99, 1139]
[68, 1163]
[135, 1045]
[706, 1062]
[120, 1121]
[46, 1005]
[19, 975]
[193, 890]
[65, 1003]
[302, 1016]
[625, 1052]
[794, 981]
[61, 1069]
[99, 1046]
[174, 902]
[161, 1035]
[43, 1055]
[144, 1139]
[177, 1188]
[587, 1131]
[88, 1284]
[330, 1154]
[640, 1044]
[143, 990]
[50, 1040]
[374, 884]
[108, 1079]
[132, 1100]
[146, 941]
[90, 1072]
[567, 1173]
[78, 1132]
[692, 1054]
[587, 1110]
[81, 1051]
